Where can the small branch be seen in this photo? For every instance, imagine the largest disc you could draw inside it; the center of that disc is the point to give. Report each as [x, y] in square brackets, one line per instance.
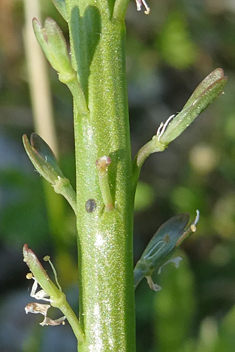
[63, 187]
[73, 320]
[77, 93]
[152, 146]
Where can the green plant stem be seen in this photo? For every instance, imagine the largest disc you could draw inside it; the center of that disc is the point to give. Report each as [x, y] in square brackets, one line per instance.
[78, 95]
[104, 238]
[120, 8]
[64, 188]
[72, 319]
[150, 147]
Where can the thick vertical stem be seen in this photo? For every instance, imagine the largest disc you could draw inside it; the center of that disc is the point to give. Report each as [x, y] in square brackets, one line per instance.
[104, 237]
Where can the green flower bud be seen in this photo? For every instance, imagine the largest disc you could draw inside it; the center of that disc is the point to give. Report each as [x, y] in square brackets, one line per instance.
[45, 163]
[207, 91]
[164, 243]
[42, 158]
[54, 46]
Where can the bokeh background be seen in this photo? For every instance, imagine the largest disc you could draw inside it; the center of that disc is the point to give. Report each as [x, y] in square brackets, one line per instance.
[168, 53]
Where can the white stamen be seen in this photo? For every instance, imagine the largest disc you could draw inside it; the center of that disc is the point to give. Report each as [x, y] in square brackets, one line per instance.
[162, 128]
[47, 259]
[41, 294]
[139, 4]
[197, 217]
[147, 8]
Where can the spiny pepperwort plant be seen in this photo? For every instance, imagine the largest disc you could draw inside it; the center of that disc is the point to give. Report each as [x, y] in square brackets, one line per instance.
[106, 177]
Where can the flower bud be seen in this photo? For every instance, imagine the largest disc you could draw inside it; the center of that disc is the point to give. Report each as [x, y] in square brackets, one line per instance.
[164, 243]
[42, 158]
[54, 46]
[207, 91]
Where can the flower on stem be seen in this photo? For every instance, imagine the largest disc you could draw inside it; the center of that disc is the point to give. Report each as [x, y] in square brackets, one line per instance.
[49, 292]
[164, 243]
[207, 91]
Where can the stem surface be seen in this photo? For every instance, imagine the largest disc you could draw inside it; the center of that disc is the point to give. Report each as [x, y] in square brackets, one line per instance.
[104, 237]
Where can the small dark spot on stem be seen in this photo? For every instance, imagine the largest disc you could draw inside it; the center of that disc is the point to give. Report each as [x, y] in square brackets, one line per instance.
[90, 205]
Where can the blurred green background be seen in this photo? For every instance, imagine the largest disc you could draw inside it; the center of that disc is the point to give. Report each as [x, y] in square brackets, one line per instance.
[168, 53]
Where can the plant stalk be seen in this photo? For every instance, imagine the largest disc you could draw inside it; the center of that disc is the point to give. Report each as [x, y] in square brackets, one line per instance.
[105, 249]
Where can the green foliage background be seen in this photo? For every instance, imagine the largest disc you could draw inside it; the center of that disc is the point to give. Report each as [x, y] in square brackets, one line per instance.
[168, 53]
